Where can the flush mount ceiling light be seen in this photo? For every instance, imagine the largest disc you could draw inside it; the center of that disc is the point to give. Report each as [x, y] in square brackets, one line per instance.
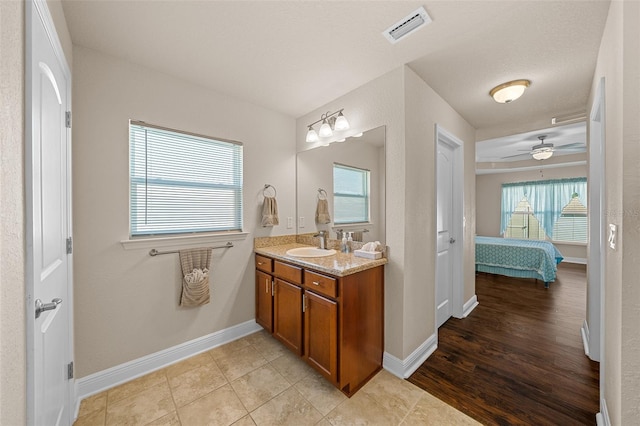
[510, 91]
[331, 121]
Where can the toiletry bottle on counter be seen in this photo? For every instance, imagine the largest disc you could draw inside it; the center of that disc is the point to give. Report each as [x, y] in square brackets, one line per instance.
[343, 245]
[350, 242]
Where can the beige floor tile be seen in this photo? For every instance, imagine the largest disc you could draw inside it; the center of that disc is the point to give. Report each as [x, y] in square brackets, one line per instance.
[320, 393]
[188, 364]
[220, 407]
[268, 346]
[170, 419]
[292, 367]
[323, 422]
[228, 349]
[431, 411]
[195, 383]
[258, 335]
[240, 362]
[245, 421]
[288, 408]
[136, 386]
[96, 418]
[93, 403]
[392, 393]
[259, 386]
[362, 409]
[141, 408]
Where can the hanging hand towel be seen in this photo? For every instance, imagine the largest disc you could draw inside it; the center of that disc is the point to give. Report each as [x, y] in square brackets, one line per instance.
[270, 212]
[195, 281]
[322, 212]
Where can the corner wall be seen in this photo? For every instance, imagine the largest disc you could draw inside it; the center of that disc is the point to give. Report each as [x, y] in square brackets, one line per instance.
[13, 383]
[126, 302]
[409, 108]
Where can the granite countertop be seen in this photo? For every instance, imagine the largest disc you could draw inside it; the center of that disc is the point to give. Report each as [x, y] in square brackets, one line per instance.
[339, 264]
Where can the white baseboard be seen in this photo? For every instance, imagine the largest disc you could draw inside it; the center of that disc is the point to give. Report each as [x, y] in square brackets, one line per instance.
[585, 337]
[405, 368]
[602, 418]
[469, 306]
[578, 260]
[102, 380]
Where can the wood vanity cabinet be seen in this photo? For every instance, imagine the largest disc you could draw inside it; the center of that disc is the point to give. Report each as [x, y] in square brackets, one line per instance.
[334, 323]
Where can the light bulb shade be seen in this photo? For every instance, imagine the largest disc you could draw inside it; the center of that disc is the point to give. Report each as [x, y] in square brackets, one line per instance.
[509, 92]
[325, 130]
[312, 136]
[542, 153]
[341, 123]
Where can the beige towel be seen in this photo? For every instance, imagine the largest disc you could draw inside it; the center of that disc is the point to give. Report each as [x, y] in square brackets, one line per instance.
[270, 212]
[322, 212]
[195, 271]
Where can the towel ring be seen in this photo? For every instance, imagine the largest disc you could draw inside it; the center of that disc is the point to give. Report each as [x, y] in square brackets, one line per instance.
[322, 194]
[266, 187]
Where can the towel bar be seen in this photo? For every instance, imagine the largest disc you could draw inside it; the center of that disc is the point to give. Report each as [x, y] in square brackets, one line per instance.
[154, 252]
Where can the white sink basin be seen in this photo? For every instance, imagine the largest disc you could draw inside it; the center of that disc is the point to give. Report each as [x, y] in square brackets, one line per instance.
[310, 252]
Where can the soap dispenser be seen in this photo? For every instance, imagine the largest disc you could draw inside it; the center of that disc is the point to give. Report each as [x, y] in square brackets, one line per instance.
[350, 242]
[343, 246]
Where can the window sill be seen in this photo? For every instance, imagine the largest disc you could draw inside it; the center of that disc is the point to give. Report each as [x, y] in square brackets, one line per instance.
[182, 242]
[569, 243]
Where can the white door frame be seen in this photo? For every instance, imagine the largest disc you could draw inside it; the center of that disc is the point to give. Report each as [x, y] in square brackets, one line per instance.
[592, 328]
[457, 222]
[40, 9]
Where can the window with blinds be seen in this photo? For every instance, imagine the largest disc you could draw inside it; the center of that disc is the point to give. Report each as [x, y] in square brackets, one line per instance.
[350, 194]
[183, 183]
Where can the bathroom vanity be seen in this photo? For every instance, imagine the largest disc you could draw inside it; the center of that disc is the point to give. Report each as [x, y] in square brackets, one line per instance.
[328, 310]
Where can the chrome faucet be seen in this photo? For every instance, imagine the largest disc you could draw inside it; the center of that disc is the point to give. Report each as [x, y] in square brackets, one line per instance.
[323, 239]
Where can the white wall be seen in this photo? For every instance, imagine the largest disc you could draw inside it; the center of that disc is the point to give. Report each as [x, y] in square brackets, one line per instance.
[489, 195]
[12, 227]
[619, 63]
[409, 108]
[126, 302]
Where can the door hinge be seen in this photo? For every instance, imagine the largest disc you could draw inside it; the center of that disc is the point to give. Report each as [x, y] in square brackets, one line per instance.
[70, 371]
[67, 119]
[69, 245]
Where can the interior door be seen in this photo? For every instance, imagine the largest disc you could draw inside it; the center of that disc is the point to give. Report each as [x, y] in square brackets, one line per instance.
[444, 262]
[48, 227]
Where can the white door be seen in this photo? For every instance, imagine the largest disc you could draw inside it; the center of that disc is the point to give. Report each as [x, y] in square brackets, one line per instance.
[445, 257]
[48, 227]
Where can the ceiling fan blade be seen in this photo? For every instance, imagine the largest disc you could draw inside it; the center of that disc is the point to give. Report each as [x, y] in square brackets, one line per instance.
[577, 145]
[516, 156]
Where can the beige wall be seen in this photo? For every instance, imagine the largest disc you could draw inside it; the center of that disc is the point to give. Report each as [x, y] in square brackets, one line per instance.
[12, 227]
[126, 302]
[409, 108]
[60, 22]
[489, 193]
[619, 63]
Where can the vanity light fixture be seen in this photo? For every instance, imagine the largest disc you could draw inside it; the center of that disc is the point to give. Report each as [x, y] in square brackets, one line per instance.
[510, 91]
[330, 123]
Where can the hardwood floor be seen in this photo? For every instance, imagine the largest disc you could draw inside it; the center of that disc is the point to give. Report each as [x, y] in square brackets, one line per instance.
[518, 358]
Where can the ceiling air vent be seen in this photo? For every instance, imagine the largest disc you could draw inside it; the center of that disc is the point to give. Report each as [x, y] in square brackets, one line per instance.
[407, 25]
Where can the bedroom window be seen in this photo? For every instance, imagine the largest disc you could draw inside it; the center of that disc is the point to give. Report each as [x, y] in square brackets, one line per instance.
[554, 209]
[182, 183]
[350, 194]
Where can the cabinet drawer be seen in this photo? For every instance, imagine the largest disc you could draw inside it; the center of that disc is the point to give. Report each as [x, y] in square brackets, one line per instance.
[264, 263]
[321, 284]
[290, 273]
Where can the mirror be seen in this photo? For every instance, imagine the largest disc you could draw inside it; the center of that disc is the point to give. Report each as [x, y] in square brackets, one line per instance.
[315, 170]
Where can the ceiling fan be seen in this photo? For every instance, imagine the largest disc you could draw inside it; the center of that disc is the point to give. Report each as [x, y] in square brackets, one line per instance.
[544, 150]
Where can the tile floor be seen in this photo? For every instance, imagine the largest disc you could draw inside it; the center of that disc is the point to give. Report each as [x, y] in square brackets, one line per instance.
[257, 381]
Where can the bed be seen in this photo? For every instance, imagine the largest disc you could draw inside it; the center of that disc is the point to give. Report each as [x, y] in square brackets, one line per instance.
[518, 258]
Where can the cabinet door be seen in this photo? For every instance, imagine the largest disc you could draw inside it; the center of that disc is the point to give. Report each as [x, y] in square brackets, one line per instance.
[264, 301]
[287, 315]
[321, 334]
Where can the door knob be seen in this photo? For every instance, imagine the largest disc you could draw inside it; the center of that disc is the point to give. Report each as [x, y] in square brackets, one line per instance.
[452, 240]
[41, 307]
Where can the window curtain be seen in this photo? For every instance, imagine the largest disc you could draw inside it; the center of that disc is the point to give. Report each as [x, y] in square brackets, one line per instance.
[546, 197]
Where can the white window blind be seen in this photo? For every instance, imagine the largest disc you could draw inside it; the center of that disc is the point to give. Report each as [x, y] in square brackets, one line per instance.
[350, 194]
[183, 183]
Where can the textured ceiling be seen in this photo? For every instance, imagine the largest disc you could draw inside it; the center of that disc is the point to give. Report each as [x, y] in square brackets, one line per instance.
[295, 56]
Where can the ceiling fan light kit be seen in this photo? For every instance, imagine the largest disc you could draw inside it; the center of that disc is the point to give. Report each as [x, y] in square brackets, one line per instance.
[542, 153]
[510, 91]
